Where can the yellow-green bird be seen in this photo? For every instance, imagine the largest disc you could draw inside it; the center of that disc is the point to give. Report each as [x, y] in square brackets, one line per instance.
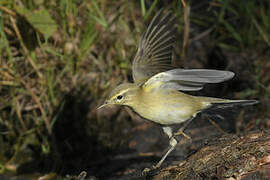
[156, 92]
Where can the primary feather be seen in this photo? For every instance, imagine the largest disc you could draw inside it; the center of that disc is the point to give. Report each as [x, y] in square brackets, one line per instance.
[154, 53]
[188, 79]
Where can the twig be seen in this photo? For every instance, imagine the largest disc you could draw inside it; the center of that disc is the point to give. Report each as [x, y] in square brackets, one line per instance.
[186, 30]
[184, 3]
[8, 11]
[265, 38]
[19, 114]
[216, 126]
[201, 35]
[29, 58]
[36, 99]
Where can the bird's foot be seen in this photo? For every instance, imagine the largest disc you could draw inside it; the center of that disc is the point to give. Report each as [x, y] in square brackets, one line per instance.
[150, 171]
[180, 132]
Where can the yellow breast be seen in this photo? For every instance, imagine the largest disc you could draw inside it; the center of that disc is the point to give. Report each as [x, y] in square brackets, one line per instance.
[166, 106]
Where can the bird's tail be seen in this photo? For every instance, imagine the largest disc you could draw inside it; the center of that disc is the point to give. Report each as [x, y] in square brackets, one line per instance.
[216, 107]
[226, 103]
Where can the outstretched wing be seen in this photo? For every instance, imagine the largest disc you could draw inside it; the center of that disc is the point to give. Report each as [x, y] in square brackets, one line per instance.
[187, 79]
[154, 53]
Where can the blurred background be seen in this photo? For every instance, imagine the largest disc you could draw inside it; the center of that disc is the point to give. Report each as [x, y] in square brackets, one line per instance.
[60, 59]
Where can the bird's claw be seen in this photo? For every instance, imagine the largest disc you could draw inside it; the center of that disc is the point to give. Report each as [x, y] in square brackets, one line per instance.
[147, 171]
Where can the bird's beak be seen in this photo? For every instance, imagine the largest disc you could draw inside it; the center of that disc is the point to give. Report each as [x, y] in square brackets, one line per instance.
[104, 104]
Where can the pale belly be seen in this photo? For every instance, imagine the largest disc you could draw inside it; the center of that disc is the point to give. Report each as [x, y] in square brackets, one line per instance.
[169, 116]
[169, 110]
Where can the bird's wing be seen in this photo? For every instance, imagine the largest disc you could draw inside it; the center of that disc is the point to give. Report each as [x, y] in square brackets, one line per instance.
[154, 53]
[187, 79]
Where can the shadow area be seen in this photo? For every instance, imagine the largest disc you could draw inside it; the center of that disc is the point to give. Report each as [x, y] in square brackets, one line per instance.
[76, 145]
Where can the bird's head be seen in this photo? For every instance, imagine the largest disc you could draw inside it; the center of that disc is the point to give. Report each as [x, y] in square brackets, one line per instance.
[124, 94]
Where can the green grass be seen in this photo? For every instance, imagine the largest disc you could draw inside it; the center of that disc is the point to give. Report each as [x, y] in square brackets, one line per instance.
[53, 53]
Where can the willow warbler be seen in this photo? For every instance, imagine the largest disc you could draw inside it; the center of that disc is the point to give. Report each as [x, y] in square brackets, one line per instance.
[156, 92]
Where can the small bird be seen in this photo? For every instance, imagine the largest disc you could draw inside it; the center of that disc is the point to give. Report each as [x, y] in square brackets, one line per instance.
[156, 92]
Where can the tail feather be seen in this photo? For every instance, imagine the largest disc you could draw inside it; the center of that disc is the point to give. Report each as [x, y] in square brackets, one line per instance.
[233, 103]
[216, 107]
[226, 103]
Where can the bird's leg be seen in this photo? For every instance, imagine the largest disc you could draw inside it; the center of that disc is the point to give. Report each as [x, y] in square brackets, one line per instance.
[181, 130]
[173, 143]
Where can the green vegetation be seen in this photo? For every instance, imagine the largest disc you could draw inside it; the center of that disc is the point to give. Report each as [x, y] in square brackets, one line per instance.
[59, 59]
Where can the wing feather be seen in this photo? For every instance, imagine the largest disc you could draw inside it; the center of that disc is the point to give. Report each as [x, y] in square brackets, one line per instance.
[154, 53]
[187, 79]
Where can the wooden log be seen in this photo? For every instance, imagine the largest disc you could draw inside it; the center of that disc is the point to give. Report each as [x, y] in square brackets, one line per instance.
[230, 157]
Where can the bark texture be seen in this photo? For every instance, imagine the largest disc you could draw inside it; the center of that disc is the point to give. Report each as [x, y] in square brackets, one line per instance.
[229, 157]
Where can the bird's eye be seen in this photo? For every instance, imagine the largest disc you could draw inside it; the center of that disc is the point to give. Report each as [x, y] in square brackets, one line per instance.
[119, 97]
